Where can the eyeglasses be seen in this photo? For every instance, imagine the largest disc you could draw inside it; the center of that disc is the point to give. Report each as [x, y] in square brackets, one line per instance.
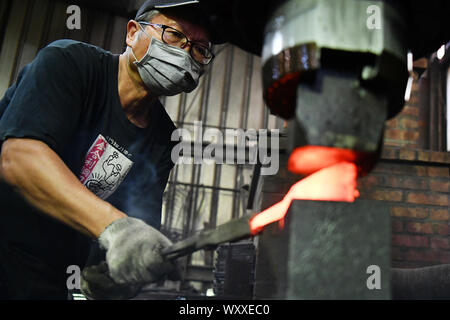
[199, 52]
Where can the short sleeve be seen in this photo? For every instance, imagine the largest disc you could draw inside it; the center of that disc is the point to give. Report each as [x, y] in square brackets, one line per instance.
[47, 101]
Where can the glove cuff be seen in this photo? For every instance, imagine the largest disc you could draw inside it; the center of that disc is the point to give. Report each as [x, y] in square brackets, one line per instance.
[117, 228]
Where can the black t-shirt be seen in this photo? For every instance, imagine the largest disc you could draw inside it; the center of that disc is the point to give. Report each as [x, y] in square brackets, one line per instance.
[68, 98]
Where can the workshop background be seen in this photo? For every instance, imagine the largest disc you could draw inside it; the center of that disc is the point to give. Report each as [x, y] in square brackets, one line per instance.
[412, 176]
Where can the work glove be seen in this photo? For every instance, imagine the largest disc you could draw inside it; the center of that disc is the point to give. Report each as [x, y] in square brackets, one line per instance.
[133, 253]
[96, 284]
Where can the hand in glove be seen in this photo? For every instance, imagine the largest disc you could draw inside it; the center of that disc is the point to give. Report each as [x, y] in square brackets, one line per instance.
[133, 253]
[96, 284]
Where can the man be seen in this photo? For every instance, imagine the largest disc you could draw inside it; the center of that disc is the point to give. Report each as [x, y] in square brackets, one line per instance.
[85, 154]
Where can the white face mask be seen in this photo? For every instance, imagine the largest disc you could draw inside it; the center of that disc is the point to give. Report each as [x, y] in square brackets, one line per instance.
[167, 70]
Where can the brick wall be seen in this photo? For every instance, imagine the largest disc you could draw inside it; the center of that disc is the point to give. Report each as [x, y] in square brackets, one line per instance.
[415, 183]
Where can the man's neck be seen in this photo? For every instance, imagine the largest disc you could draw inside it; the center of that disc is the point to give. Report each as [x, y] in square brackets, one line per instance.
[134, 98]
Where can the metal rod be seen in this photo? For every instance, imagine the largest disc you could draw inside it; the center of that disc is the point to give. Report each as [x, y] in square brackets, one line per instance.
[223, 115]
[238, 178]
[204, 186]
[208, 259]
[222, 128]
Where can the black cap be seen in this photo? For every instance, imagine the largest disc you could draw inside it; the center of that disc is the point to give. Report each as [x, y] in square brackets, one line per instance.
[195, 13]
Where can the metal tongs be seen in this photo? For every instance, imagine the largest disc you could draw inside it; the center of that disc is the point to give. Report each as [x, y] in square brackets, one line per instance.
[233, 230]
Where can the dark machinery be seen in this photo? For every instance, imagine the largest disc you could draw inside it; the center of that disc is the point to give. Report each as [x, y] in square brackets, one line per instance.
[336, 70]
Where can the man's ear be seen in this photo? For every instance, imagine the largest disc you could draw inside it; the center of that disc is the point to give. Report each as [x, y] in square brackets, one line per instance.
[132, 33]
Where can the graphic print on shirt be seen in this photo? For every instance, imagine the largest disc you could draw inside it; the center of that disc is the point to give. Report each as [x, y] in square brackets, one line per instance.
[104, 168]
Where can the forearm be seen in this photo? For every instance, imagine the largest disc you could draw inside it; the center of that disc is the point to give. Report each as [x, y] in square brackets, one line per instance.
[43, 179]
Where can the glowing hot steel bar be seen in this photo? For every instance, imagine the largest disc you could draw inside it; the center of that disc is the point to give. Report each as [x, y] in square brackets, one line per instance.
[335, 183]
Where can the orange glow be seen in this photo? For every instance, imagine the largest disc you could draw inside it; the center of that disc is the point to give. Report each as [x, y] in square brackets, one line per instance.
[334, 183]
[309, 159]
